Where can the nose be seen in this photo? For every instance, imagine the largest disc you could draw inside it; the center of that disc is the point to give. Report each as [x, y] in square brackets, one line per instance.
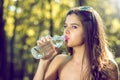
[66, 30]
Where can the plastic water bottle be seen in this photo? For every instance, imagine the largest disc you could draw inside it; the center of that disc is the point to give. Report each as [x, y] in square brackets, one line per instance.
[38, 52]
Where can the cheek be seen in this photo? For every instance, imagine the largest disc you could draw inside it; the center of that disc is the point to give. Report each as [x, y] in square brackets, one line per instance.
[79, 39]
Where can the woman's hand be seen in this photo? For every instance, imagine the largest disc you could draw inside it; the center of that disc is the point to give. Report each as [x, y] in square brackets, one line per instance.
[47, 48]
[49, 52]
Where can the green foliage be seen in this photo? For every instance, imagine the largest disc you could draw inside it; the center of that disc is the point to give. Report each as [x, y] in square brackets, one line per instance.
[33, 20]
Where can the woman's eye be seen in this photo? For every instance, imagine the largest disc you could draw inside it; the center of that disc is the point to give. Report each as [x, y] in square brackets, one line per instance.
[65, 26]
[74, 27]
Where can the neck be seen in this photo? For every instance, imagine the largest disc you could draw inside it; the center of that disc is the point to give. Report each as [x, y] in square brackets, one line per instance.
[78, 53]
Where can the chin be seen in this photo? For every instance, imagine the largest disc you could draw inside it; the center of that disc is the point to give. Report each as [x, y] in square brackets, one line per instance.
[68, 45]
[73, 45]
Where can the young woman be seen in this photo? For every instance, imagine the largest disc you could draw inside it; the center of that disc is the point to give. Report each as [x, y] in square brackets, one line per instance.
[89, 57]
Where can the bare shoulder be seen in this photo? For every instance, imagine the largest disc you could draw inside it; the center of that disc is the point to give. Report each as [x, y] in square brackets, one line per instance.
[61, 58]
[58, 60]
[112, 70]
[113, 65]
[51, 73]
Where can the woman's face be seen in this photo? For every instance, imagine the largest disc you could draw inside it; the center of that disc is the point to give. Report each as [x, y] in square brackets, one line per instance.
[73, 31]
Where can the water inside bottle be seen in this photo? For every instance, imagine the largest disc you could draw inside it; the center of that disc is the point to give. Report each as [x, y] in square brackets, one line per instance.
[58, 41]
[36, 52]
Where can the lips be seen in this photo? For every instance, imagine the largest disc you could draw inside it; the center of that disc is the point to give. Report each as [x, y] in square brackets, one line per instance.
[66, 38]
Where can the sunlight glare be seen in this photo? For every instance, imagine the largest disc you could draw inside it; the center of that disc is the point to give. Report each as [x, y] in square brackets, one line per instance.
[58, 1]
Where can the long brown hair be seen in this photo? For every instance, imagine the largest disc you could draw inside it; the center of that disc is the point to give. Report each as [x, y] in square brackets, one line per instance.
[95, 40]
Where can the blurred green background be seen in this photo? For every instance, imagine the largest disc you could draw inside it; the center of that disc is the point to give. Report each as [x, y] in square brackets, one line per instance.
[23, 21]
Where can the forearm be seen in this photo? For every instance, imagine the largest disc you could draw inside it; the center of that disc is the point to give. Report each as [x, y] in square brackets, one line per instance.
[40, 73]
[49, 53]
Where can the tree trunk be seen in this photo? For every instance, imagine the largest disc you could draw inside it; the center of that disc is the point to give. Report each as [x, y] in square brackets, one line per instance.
[81, 2]
[12, 41]
[51, 20]
[23, 62]
[3, 51]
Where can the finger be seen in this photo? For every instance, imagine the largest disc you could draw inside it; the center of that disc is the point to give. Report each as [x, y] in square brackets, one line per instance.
[48, 54]
[39, 42]
[43, 39]
[56, 49]
[48, 38]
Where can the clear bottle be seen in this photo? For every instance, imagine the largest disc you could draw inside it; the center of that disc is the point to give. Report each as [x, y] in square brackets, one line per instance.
[38, 52]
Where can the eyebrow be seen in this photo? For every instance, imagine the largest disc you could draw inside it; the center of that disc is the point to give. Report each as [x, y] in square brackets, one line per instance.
[73, 24]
